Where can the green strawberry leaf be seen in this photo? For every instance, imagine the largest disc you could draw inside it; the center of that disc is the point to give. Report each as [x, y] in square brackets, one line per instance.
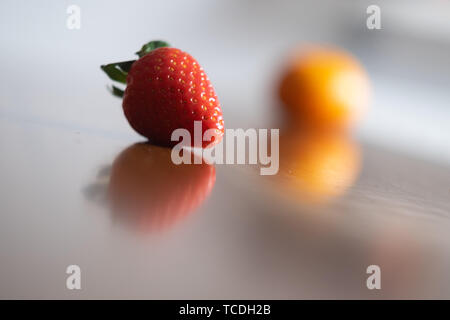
[152, 45]
[118, 71]
[114, 73]
[116, 91]
[125, 65]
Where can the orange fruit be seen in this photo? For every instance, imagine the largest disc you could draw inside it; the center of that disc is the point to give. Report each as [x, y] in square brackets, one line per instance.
[317, 166]
[325, 88]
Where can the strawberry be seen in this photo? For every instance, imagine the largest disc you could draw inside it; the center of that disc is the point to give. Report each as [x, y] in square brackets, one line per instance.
[166, 89]
[148, 192]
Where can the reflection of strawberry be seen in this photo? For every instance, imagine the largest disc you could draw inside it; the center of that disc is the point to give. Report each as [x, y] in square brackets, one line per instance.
[150, 192]
[167, 89]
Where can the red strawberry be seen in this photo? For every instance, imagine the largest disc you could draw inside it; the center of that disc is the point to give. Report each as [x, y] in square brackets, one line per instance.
[167, 89]
[148, 192]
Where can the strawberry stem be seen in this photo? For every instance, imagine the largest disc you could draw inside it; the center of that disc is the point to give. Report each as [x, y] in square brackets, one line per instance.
[152, 45]
[118, 71]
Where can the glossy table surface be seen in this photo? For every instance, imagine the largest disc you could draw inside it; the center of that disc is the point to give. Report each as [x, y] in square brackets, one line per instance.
[246, 240]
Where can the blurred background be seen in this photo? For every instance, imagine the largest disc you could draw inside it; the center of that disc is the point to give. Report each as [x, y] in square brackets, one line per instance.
[244, 237]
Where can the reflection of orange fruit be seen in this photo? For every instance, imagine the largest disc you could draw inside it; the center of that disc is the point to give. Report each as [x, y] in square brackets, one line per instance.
[318, 166]
[149, 191]
[325, 88]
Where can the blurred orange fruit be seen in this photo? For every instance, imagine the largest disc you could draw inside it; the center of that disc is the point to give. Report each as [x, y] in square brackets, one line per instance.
[317, 166]
[325, 88]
